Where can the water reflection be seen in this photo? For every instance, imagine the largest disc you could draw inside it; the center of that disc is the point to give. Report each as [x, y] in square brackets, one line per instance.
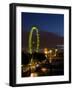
[48, 63]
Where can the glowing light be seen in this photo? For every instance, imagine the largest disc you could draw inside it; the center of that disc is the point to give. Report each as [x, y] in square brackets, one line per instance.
[37, 65]
[50, 51]
[44, 69]
[30, 46]
[50, 61]
[54, 54]
[46, 51]
[34, 75]
[56, 50]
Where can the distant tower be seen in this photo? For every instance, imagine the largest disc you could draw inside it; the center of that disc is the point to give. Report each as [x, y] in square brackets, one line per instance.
[31, 42]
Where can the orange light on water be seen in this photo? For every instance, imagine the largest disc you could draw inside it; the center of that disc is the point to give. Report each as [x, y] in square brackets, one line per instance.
[44, 69]
[33, 75]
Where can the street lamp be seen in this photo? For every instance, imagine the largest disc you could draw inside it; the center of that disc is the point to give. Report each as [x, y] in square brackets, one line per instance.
[46, 52]
[55, 52]
[50, 59]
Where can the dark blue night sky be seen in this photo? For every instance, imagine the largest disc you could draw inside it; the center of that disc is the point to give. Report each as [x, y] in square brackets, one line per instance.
[45, 22]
